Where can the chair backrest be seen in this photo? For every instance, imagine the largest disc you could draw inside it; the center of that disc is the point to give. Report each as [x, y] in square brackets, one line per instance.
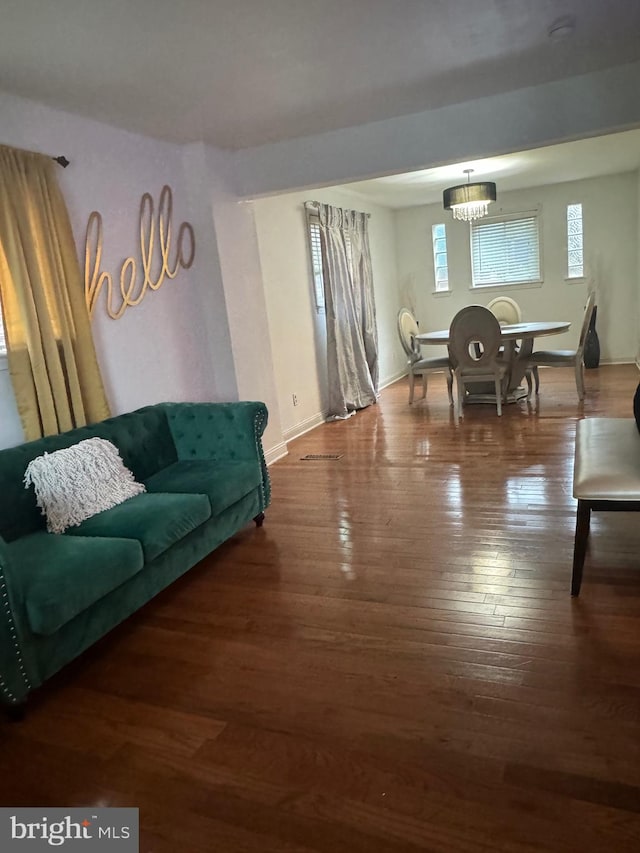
[505, 310]
[407, 330]
[588, 311]
[474, 338]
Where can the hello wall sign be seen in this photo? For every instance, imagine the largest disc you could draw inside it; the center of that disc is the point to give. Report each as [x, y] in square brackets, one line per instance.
[154, 265]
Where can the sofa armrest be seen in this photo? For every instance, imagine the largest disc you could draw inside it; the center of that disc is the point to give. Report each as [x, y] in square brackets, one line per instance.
[14, 681]
[221, 432]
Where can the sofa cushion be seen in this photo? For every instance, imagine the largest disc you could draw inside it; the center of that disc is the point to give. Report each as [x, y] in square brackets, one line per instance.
[223, 483]
[59, 576]
[157, 521]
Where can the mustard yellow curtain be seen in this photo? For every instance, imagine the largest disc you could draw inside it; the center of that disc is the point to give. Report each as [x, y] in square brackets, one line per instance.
[50, 350]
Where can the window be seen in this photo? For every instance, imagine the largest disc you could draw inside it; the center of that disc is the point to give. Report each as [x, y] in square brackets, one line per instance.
[440, 262]
[316, 260]
[316, 263]
[505, 251]
[575, 256]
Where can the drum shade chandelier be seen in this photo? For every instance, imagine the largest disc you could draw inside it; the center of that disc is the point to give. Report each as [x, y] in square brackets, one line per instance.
[469, 201]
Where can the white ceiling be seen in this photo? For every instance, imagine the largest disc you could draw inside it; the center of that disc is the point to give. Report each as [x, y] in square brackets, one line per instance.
[571, 161]
[238, 73]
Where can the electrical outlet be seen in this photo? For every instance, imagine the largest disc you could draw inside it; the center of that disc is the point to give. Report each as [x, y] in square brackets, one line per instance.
[294, 397]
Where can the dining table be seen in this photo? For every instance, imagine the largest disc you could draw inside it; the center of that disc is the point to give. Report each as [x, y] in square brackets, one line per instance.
[517, 340]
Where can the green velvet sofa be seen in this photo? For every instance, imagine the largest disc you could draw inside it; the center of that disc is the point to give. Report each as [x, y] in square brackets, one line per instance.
[206, 477]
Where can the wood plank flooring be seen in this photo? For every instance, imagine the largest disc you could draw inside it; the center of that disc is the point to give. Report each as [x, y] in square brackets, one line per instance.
[393, 663]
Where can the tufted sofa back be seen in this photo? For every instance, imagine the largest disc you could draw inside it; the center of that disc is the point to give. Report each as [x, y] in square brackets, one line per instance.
[143, 438]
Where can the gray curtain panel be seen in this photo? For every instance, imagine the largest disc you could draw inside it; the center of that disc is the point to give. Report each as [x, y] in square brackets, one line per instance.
[352, 335]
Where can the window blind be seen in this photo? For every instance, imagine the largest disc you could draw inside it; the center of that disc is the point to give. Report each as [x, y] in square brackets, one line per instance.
[505, 251]
[316, 262]
[316, 259]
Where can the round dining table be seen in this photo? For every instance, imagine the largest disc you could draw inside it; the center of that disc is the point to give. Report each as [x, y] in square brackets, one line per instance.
[516, 356]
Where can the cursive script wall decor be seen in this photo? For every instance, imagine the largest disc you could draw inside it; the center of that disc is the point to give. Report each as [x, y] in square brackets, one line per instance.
[133, 288]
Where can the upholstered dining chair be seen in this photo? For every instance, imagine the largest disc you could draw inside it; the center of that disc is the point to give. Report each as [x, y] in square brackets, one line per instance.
[565, 357]
[474, 342]
[506, 310]
[416, 365]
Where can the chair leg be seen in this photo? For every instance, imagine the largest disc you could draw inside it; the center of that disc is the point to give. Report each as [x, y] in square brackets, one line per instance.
[411, 383]
[450, 387]
[583, 519]
[499, 395]
[424, 385]
[580, 380]
[529, 380]
[460, 387]
[536, 377]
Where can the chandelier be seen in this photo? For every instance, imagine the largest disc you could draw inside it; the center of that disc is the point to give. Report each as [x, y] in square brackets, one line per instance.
[469, 201]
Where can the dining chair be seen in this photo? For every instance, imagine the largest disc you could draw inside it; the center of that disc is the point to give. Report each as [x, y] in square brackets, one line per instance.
[565, 357]
[474, 342]
[506, 310]
[416, 365]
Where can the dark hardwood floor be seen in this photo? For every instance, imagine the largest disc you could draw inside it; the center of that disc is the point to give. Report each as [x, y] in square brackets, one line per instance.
[393, 663]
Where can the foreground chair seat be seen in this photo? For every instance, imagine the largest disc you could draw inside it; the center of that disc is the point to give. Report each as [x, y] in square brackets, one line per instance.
[606, 477]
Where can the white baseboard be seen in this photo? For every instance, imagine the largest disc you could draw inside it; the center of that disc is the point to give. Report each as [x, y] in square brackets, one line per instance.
[274, 453]
[279, 450]
[304, 426]
[630, 360]
[391, 379]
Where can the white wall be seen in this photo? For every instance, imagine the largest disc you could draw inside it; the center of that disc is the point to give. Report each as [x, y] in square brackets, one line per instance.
[214, 351]
[610, 214]
[244, 295]
[298, 336]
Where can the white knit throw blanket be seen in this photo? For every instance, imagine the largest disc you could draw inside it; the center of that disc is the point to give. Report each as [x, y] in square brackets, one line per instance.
[79, 481]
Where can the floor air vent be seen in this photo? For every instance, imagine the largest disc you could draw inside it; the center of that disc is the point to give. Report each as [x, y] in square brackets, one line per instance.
[318, 457]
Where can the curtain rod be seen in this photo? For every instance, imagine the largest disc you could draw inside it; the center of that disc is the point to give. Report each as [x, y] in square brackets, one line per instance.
[314, 206]
[61, 160]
